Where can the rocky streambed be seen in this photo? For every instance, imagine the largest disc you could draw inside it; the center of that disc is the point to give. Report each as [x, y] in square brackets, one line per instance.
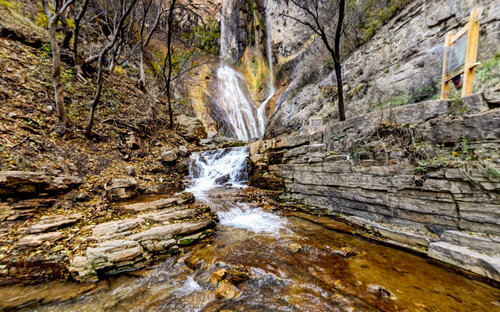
[234, 249]
[261, 260]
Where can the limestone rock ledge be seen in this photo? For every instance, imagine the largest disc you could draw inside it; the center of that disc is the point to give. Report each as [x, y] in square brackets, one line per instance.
[422, 176]
[126, 245]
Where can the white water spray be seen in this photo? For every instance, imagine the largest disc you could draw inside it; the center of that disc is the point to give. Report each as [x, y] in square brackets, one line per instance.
[244, 120]
[205, 168]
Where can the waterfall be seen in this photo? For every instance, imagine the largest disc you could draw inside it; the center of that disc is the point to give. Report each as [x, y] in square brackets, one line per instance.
[269, 51]
[244, 120]
[211, 168]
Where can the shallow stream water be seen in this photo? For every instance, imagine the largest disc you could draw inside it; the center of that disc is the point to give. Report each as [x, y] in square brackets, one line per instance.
[316, 278]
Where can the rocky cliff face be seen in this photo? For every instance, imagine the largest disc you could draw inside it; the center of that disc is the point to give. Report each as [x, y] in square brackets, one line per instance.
[401, 64]
[420, 176]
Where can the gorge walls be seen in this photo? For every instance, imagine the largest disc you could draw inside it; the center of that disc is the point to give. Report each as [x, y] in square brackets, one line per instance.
[424, 176]
[399, 65]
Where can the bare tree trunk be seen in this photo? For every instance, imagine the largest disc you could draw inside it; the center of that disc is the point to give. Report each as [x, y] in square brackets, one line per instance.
[336, 60]
[56, 75]
[53, 18]
[76, 33]
[102, 55]
[142, 79]
[170, 65]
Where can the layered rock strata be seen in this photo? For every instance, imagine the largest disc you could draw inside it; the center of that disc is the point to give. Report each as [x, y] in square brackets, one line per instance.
[423, 176]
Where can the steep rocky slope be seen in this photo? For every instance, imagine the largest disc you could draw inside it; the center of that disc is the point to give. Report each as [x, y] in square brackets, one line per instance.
[401, 64]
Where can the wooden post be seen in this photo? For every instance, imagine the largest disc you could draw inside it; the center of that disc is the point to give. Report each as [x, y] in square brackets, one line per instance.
[471, 54]
[445, 84]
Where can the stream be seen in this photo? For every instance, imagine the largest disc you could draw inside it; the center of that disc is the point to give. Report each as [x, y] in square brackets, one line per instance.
[315, 278]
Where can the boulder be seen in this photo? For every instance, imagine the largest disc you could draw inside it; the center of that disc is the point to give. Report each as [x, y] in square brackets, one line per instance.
[120, 189]
[183, 151]
[294, 248]
[36, 240]
[132, 142]
[223, 179]
[50, 223]
[130, 170]
[226, 290]
[190, 128]
[218, 276]
[169, 157]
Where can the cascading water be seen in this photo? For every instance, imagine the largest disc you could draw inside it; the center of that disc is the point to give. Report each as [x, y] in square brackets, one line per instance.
[207, 167]
[244, 120]
[210, 169]
[269, 51]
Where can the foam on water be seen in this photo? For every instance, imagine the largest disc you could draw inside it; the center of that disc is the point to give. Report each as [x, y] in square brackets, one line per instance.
[205, 168]
[254, 220]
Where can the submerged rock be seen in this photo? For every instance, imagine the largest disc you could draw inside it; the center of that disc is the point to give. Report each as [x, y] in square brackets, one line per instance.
[294, 248]
[224, 179]
[226, 290]
[218, 276]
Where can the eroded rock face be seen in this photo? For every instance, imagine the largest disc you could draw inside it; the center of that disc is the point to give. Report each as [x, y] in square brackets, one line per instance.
[356, 170]
[26, 182]
[121, 189]
[128, 244]
[110, 257]
[190, 128]
[401, 63]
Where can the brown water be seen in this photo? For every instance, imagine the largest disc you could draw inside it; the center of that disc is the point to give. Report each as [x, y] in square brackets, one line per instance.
[377, 278]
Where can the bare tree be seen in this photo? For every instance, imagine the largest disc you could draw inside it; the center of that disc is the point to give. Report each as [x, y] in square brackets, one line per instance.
[320, 17]
[182, 52]
[54, 11]
[120, 16]
[146, 33]
[76, 34]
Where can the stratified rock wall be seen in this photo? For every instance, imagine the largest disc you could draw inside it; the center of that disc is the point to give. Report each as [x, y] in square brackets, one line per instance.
[401, 63]
[421, 176]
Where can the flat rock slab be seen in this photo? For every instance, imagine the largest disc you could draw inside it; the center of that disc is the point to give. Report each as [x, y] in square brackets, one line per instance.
[169, 231]
[111, 230]
[182, 199]
[15, 182]
[38, 239]
[466, 259]
[47, 224]
[164, 216]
